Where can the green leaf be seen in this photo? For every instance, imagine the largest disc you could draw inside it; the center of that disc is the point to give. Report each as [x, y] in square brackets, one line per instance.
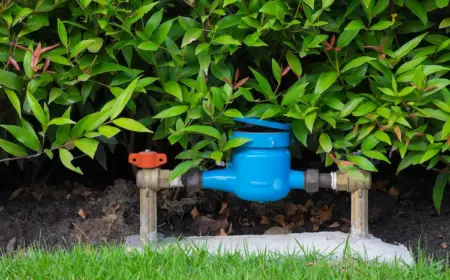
[265, 87]
[310, 3]
[225, 40]
[37, 109]
[363, 163]
[325, 81]
[326, 3]
[294, 62]
[409, 159]
[27, 67]
[62, 33]
[60, 121]
[355, 25]
[369, 143]
[293, 94]
[14, 101]
[54, 94]
[171, 112]
[350, 107]
[381, 25]
[182, 168]
[131, 125]
[148, 46]
[85, 3]
[87, 146]
[59, 60]
[325, 142]
[216, 155]
[153, 23]
[442, 3]
[233, 113]
[409, 65]
[10, 80]
[12, 148]
[438, 190]
[309, 121]
[139, 13]
[108, 131]
[66, 158]
[235, 142]
[228, 2]
[275, 8]
[367, 3]
[417, 9]
[173, 88]
[276, 70]
[446, 130]
[190, 36]
[95, 46]
[203, 129]
[429, 154]
[346, 37]
[81, 47]
[161, 32]
[122, 100]
[300, 131]
[357, 62]
[409, 46]
[445, 23]
[376, 155]
[24, 135]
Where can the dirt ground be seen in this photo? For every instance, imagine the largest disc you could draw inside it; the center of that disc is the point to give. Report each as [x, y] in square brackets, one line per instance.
[60, 215]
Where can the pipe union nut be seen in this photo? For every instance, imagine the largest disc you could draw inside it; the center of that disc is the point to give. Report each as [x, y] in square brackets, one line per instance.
[312, 181]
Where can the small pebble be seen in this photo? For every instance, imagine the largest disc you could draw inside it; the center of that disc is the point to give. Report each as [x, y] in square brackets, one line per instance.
[444, 245]
[441, 235]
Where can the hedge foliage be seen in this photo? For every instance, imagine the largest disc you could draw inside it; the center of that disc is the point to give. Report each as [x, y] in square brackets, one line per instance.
[359, 79]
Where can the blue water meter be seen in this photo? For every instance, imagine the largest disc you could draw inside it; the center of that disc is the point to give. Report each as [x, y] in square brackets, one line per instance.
[260, 170]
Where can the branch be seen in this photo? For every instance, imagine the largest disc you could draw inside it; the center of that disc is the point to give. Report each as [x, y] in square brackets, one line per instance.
[24, 157]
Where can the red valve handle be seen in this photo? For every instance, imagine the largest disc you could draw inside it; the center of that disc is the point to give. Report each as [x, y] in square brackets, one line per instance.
[147, 159]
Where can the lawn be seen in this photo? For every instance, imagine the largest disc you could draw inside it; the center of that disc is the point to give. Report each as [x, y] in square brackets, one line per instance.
[109, 262]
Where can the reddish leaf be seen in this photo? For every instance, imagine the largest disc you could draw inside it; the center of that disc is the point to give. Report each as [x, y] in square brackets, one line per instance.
[227, 81]
[14, 63]
[241, 83]
[398, 132]
[333, 40]
[286, 70]
[236, 75]
[334, 158]
[46, 64]
[49, 48]
[36, 56]
[21, 47]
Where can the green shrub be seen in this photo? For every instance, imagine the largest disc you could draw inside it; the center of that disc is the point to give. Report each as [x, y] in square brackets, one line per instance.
[359, 79]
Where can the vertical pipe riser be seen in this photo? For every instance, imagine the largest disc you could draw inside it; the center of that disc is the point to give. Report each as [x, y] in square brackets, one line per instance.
[359, 213]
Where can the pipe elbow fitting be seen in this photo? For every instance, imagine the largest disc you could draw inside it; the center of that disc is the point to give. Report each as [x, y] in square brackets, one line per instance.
[347, 183]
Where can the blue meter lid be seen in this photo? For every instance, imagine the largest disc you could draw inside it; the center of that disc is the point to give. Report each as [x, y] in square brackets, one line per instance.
[264, 123]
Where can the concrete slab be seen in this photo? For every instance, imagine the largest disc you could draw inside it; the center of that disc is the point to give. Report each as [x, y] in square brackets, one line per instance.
[329, 244]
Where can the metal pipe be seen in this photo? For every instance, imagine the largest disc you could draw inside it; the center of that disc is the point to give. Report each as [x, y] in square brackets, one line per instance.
[360, 213]
[359, 189]
[150, 181]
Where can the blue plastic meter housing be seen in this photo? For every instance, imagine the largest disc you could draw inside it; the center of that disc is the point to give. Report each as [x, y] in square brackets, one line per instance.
[260, 170]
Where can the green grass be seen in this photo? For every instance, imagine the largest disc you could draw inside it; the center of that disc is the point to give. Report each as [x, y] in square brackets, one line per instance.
[109, 262]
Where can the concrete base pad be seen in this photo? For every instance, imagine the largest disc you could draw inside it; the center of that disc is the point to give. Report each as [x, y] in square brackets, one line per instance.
[329, 244]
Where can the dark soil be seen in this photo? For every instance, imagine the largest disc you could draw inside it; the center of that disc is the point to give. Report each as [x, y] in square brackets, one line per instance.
[401, 211]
